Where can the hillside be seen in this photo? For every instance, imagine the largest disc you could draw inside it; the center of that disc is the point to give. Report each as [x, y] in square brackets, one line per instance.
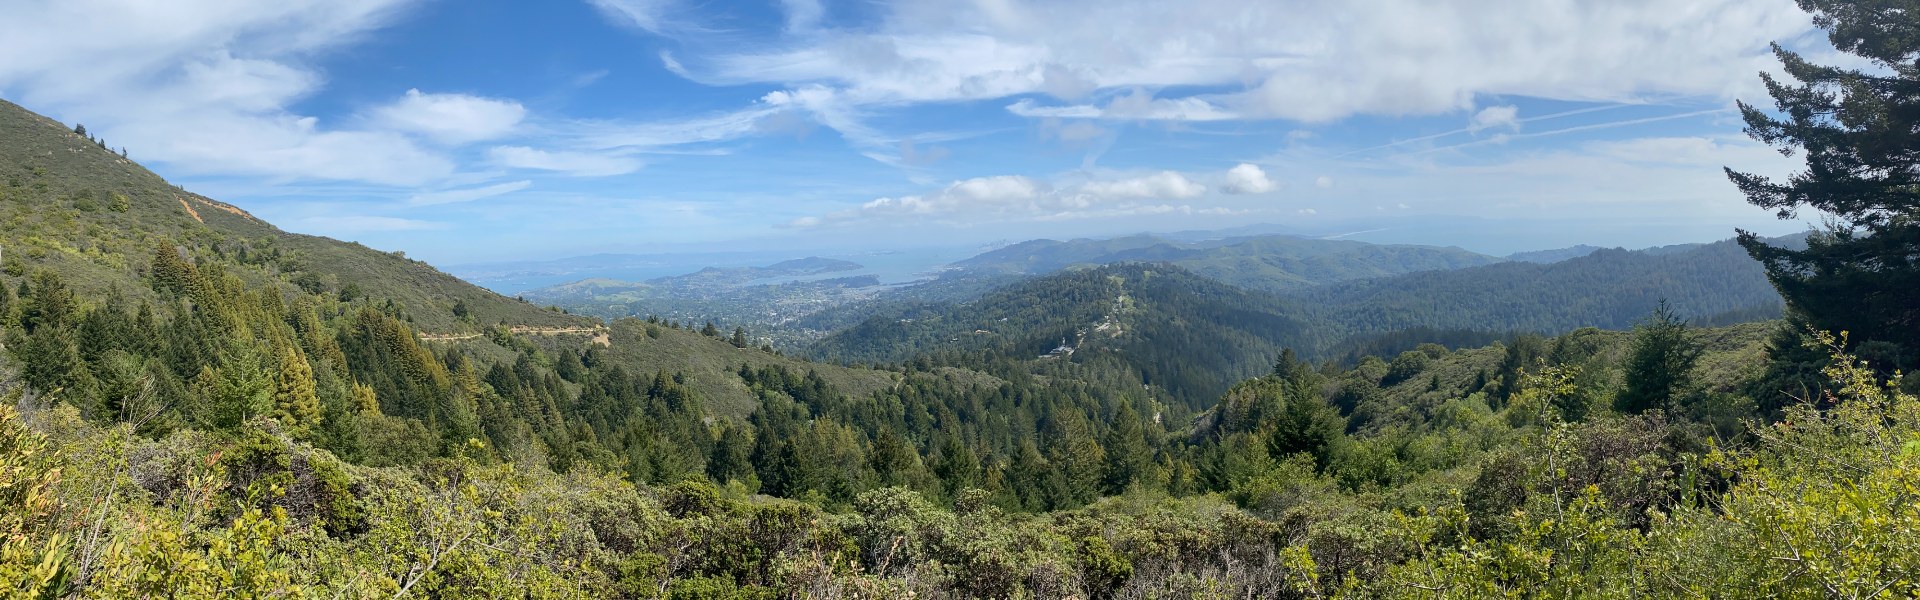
[1554, 255]
[94, 218]
[1609, 289]
[1194, 336]
[1174, 330]
[1270, 262]
[766, 300]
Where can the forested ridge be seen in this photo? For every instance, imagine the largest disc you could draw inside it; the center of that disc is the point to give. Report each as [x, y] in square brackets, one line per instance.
[197, 405]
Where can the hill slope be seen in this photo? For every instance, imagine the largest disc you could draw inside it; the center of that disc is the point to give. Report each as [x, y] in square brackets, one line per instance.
[72, 207]
[1272, 263]
[1171, 328]
[1609, 289]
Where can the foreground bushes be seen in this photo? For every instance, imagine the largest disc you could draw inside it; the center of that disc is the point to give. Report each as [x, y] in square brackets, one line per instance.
[1609, 508]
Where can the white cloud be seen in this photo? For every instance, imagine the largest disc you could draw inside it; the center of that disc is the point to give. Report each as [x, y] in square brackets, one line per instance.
[1135, 106]
[1307, 211]
[1018, 198]
[205, 86]
[467, 194]
[1492, 117]
[354, 224]
[585, 164]
[802, 15]
[1305, 61]
[1246, 178]
[674, 132]
[653, 16]
[451, 118]
[1071, 132]
[1165, 184]
[1323, 182]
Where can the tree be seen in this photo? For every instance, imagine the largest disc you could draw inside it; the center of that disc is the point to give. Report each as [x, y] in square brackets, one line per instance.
[295, 401]
[730, 459]
[80, 130]
[1660, 365]
[1856, 129]
[1128, 455]
[739, 337]
[891, 459]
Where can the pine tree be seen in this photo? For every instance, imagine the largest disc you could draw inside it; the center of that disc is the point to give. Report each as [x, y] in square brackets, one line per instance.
[739, 337]
[1659, 367]
[1855, 128]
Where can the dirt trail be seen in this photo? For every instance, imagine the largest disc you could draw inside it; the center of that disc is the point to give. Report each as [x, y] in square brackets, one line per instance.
[600, 335]
[447, 337]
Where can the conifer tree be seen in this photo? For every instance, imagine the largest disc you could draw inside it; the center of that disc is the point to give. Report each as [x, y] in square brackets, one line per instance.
[730, 458]
[1660, 365]
[891, 459]
[295, 402]
[1128, 455]
[1855, 127]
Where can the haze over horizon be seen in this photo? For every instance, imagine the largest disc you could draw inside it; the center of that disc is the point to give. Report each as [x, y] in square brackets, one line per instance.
[492, 131]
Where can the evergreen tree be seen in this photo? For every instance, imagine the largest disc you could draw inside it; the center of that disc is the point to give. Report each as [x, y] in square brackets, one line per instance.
[1305, 426]
[1660, 365]
[892, 460]
[48, 303]
[1076, 458]
[1793, 373]
[1128, 455]
[739, 337]
[1855, 127]
[731, 458]
[295, 402]
[955, 466]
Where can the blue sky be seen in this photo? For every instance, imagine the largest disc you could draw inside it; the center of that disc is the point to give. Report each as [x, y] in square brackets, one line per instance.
[489, 130]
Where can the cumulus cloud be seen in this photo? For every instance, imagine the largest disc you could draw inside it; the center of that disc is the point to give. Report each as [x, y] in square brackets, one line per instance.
[451, 118]
[1246, 178]
[585, 164]
[467, 194]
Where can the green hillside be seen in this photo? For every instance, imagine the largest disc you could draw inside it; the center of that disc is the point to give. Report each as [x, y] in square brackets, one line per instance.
[94, 218]
[81, 210]
[1185, 334]
[1272, 263]
[1609, 289]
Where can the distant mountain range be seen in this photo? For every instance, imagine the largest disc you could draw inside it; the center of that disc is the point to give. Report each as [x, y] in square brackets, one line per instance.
[1554, 255]
[1152, 317]
[1268, 262]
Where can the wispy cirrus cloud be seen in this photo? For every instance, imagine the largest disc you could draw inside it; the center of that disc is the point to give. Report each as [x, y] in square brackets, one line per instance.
[470, 194]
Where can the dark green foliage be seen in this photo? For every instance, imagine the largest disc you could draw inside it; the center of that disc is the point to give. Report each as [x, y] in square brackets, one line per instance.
[1854, 126]
[1156, 325]
[1609, 289]
[1659, 368]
